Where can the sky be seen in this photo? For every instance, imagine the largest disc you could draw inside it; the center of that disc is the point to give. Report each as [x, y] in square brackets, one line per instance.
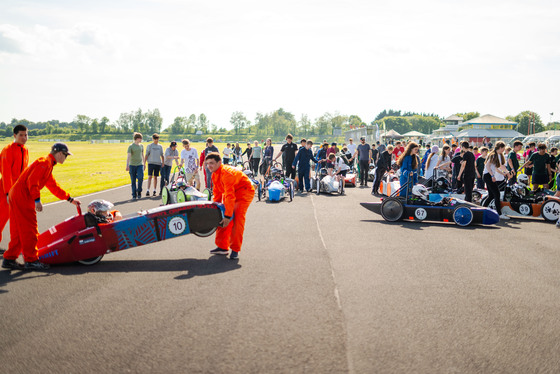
[60, 58]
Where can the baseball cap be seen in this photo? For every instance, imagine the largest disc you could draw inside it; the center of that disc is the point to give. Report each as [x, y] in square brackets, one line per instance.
[61, 147]
[173, 144]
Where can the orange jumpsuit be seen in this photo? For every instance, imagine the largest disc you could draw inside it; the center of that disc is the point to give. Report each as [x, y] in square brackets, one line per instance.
[23, 218]
[234, 189]
[13, 160]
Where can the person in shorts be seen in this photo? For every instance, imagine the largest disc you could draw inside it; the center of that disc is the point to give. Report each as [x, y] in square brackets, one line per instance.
[513, 162]
[154, 159]
[540, 161]
[189, 160]
[227, 154]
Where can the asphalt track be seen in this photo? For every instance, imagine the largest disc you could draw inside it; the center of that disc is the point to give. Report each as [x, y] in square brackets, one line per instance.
[322, 286]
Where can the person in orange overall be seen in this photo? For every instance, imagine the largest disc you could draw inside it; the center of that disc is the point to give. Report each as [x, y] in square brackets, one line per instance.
[13, 160]
[25, 199]
[234, 189]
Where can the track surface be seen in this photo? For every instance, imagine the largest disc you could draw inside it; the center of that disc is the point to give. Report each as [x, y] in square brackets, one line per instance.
[322, 286]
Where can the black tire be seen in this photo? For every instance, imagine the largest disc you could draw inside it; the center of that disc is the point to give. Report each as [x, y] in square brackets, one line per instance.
[392, 209]
[550, 210]
[291, 191]
[206, 234]
[90, 261]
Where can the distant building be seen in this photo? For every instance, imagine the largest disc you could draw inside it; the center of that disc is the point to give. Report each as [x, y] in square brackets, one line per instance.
[487, 128]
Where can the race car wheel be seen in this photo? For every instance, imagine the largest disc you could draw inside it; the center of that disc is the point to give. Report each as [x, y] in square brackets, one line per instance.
[207, 193]
[165, 196]
[476, 197]
[91, 261]
[246, 165]
[181, 196]
[392, 209]
[550, 210]
[291, 188]
[463, 215]
[205, 234]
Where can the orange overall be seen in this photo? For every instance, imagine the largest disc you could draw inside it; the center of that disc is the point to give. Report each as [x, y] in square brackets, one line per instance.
[23, 218]
[234, 189]
[13, 160]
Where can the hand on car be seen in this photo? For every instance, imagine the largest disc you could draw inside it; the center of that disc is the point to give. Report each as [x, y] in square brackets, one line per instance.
[224, 222]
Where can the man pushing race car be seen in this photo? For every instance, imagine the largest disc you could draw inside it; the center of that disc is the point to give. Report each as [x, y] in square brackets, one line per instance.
[235, 190]
[25, 200]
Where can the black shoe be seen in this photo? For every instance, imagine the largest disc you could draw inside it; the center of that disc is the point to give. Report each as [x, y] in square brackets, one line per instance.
[148, 193]
[234, 255]
[36, 265]
[219, 251]
[11, 264]
[139, 194]
[154, 193]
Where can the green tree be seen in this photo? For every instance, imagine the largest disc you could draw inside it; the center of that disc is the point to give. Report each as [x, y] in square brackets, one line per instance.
[304, 124]
[104, 125]
[83, 123]
[528, 122]
[468, 116]
[239, 122]
[178, 126]
[94, 126]
[399, 124]
[202, 123]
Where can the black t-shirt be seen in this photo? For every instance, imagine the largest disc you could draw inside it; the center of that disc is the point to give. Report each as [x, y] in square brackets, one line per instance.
[212, 148]
[384, 162]
[469, 171]
[289, 151]
[374, 153]
[480, 165]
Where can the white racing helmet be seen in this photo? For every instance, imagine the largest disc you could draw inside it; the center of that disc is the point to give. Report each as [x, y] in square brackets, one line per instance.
[100, 208]
[421, 191]
[523, 179]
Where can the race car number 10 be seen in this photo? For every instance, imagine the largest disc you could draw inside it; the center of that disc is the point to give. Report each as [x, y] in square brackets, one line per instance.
[177, 225]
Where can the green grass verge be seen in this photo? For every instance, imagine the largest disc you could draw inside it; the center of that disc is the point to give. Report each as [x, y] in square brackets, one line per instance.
[91, 168]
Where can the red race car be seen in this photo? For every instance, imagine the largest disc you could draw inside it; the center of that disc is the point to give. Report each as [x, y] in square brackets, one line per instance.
[78, 239]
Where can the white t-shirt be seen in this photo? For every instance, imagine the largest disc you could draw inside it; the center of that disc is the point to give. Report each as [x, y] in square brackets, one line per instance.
[352, 148]
[340, 164]
[489, 167]
[189, 159]
[227, 152]
[430, 167]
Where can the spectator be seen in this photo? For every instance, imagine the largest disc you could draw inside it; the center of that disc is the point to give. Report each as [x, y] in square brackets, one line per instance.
[301, 161]
[227, 154]
[480, 161]
[171, 154]
[467, 172]
[444, 162]
[513, 162]
[408, 162]
[352, 148]
[494, 173]
[383, 166]
[267, 156]
[135, 165]
[155, 160]
[431, 161]
[540, 161]
[363, 152]
[288, 151]
[256, 158]
[210, 147]
[189, 160]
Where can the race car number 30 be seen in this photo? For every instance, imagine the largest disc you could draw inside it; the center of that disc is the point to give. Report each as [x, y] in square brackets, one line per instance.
[177, 225]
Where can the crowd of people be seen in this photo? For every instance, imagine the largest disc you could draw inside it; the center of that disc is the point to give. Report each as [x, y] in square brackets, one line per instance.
[464, 165]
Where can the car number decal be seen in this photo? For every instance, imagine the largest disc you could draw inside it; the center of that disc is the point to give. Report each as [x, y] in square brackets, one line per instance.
[177, 225]
[421, 214]
[525, 209]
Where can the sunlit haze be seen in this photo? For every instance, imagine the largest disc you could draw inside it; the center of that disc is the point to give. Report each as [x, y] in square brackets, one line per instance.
[101, 58]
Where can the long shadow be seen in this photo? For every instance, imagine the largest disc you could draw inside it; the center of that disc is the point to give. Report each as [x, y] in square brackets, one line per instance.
[192, 267]
[9, 276]
[421, 225]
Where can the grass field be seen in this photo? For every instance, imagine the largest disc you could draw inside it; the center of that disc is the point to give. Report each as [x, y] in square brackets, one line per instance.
[91, 168]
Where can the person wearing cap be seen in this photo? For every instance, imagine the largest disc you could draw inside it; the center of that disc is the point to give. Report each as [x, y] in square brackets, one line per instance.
[25, 201]
[171, 154]
[155, 160]
[235, 190]
[13, 160]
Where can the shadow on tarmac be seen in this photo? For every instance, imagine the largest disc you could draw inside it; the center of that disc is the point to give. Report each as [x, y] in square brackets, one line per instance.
[9, 276]
[420, 225]
[192, 267]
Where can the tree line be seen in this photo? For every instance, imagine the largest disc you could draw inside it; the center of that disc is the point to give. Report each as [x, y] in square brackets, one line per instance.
[275, 124]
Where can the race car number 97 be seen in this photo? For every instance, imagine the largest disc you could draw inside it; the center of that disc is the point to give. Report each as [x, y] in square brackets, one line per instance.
[177, 225]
